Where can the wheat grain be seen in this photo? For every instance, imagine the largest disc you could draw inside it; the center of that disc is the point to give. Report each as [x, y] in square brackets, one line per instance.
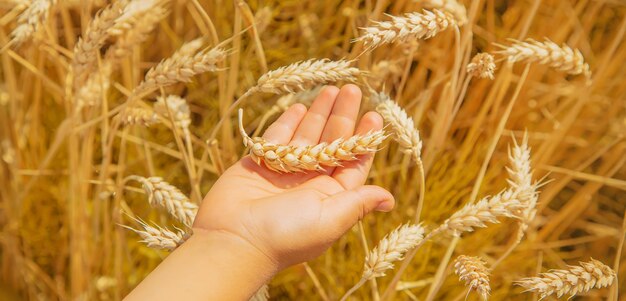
[473, 272]
[306, 74]
[287, 158]
[96, 85]
[520, 180]
[139, 115]
[391, 249]
[136, 35]
[482, 65]
[263, 294]
[31, 19]
[189, 49]
[159, 237]
[87, 47]
[165, 195]
[451, 6]
[547, 53]
[571, 281]
[402, 126]
[181, 69]
[131, 14]
[177, 106]
[415, 25]
[487, 210]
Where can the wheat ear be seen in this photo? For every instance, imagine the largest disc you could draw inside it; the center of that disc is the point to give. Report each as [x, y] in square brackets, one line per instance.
[85, 51]
[487, 210]
[31, 19]
[132, 14]
[287, 158]
[135, 35]
[412, 26]
[570, 281]
[178, 107]
[482, 65]
[473, 272]
[181, 68]
[402, 126]
[165, 195]
[95, 86]
[159, 237]
[450, 6]
[562, 58]
[138, 115]
[306, 74]
[520, 179]
[389, 250]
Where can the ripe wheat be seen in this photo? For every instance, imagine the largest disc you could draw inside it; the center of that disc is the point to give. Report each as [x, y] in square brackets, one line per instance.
[548, 53]
[181, 69]
[391, 249]
[412, 26]
[31, 20]
[159, 237]
[482, 66]
[177, 106]
[306, 74]
[163, 194]
[287, 158]
[402, 126]
[570, 281]
[473, 272]
[451, 6]
[138, 115]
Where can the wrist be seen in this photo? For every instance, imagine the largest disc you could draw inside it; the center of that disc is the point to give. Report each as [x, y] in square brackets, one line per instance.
[228, 245]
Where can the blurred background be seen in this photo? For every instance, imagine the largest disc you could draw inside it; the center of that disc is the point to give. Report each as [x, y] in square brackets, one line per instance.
[63, 198]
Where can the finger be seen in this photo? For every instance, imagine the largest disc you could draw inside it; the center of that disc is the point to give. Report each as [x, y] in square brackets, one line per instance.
[310, 129]
[341, 211]
[354, 173]
[284, 127]
[343, 116]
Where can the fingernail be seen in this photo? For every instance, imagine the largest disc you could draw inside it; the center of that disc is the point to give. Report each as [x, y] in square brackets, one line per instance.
[385, 206]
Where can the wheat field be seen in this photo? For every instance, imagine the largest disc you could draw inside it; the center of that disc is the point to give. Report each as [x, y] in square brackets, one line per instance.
[505, 144]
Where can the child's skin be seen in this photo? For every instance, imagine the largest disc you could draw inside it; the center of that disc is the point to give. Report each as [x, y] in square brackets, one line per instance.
[255, 222]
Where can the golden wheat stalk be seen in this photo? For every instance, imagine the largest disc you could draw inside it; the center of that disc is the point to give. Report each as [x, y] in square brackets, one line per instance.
[306, 74]
[570, 281]
[164, 195]
[287, 158]
[473, 272]
[181, 69]
[87, 47]
[160, 238]
[482, 65]
[562, 58]
[452, 7]
[415, 25]
[402, 126]
[31, 19]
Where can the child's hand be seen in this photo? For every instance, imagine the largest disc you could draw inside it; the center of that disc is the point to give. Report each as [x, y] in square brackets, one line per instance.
[291, 218]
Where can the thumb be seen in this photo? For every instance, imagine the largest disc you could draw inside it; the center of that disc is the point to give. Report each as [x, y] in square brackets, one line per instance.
[341, 211]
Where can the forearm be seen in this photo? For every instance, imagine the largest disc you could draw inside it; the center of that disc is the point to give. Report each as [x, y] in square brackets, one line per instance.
[208, 266]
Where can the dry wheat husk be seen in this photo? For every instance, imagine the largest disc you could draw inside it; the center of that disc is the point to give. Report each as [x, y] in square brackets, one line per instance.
[160, 238]
[570, 281]
[139, 116]
[562, 58]
[473, 272]
[177, 106]
[263, 294]
[415, 25]
[288, 158]
[402, 126]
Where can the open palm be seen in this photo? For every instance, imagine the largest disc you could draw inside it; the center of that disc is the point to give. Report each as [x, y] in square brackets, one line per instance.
[294, 217]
